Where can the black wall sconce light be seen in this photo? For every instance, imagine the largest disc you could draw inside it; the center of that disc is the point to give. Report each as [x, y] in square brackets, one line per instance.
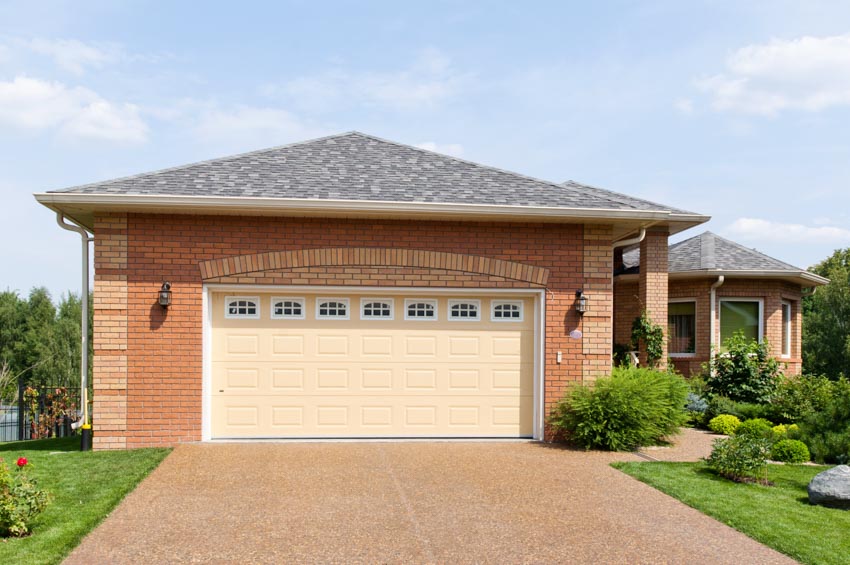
[165, 295]
[581, 302]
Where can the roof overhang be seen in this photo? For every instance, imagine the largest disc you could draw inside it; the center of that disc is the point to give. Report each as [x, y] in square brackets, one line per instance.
[803, 278]
[82, 208]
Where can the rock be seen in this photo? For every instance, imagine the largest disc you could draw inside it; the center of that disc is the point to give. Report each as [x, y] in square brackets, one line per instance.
[831, 488]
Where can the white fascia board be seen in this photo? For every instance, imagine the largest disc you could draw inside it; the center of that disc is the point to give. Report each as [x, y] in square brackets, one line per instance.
[804, 278]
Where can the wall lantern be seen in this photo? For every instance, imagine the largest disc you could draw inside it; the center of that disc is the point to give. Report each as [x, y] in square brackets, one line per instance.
[581, 302]
[165, 295]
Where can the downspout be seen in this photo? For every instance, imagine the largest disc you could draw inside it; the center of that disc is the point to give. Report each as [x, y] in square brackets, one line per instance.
[84, 366]
[713, 323]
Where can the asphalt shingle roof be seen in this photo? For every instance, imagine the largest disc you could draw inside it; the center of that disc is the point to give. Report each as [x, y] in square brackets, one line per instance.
[710, 252]
[359, 167]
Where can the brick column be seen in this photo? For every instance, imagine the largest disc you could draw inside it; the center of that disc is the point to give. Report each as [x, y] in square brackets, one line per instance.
[652, 288]
[597, 323]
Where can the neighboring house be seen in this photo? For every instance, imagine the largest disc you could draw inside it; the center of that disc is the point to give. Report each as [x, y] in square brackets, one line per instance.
[352, 287]
[753, 293]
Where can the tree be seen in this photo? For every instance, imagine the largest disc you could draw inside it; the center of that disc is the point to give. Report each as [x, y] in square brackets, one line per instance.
[826, 319]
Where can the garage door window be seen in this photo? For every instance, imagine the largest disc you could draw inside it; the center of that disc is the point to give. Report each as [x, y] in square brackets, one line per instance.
[242, 307]
[376, 309]
[507, 311]
[419, 309]
[464, 310]
[288, 308]
[332, 308]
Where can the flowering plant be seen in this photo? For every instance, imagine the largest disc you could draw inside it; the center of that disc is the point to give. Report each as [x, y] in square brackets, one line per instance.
[20, 499]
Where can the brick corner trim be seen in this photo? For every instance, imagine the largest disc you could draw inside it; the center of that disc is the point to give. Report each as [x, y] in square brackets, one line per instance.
[372, 256]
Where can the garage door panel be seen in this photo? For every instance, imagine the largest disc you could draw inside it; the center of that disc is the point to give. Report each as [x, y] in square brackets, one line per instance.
[358, 378]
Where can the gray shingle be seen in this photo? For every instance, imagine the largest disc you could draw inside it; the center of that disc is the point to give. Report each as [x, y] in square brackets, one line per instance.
[355, 166]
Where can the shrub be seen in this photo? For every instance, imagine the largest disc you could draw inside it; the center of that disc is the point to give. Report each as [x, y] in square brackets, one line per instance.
[696, 408]
[725, 424]
[20, 499]
[758, 427]
[793, 431]
[631, 408]
[780, 431]
[790, 451]
[743, 410]
[745, 373]
[827, 432]
[798, 397]
[740, 458]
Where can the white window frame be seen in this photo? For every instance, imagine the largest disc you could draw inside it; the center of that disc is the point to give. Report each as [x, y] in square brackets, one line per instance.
[679, 301]
[786, 343]
[494, 303]
[346, 301]
[431, 301]
[456, 302]
[739, 299]
[229, 316]
[300, 299]
[368, 300]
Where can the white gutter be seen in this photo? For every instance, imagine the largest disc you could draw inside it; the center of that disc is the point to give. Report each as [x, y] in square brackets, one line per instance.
[632, 241]
[713, 309]
[84, 332]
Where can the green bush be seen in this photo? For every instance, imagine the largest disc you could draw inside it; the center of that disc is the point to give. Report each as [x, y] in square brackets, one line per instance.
[790, 451]
[725, 424]
[20, 500]
[743, 410]
[793, 431]
[740, 458]
[631, 408]
[780, 432]
[746, 372]
[827, 431]
[797, 397]
[758, 427]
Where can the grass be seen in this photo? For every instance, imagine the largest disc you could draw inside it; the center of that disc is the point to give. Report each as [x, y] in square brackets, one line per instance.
[85, 488]
[779, 516]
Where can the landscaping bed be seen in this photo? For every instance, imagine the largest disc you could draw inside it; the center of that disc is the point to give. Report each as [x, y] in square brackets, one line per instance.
[778, 516]
[85, 487]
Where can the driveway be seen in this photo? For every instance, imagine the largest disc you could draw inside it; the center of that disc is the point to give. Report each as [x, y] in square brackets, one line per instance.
[434, 502]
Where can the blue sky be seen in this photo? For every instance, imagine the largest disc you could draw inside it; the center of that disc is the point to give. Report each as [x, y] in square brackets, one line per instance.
[739, 110]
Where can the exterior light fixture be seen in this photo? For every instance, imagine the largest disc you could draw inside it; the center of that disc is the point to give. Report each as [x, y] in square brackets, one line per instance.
[581, 303]
[165, 295]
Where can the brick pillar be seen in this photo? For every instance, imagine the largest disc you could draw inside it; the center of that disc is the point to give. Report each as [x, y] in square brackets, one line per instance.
[597, 323]
[109, 372]
[652, 288]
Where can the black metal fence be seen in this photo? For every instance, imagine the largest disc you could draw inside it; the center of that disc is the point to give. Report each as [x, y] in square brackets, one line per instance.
[39, 412]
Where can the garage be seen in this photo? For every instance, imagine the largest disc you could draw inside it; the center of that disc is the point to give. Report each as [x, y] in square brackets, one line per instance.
[343, 364]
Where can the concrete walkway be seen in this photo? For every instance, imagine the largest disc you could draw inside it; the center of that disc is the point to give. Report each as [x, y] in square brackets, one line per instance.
[435, 502]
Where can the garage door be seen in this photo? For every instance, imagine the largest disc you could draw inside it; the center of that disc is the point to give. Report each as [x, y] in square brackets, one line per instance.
[357, 365]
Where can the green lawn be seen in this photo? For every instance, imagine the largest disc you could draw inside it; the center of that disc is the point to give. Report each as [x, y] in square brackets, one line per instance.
[779, 516]
[85, 488]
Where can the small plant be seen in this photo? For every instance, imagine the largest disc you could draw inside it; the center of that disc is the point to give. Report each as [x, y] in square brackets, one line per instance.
[758, 427]
[696, 408]
[20, 499]
[746, 372]
[631, 408]
[793, 431]
[780, 432]
[740, 458]
[790, 451]
[725, 424]
[645, 331]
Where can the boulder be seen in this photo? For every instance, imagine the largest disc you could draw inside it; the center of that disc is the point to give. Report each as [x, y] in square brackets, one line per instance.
[831, 488]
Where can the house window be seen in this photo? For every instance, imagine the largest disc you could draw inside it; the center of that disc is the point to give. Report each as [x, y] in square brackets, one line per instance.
[681, 328]
[507, 311]
[464, 310]
[786, 329]
[242, 307]
[288, 308]
[419, 309]
[740, 315]
[331, 308]
[376, 309]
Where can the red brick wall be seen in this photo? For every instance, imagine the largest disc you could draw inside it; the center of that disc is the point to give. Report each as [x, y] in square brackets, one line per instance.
[652, 283]
[162, 377]
[772, 292]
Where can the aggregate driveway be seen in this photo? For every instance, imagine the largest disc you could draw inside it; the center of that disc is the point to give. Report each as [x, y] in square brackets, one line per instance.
[407, 502]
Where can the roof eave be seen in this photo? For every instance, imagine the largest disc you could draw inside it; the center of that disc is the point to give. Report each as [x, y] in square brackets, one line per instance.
[804, 278]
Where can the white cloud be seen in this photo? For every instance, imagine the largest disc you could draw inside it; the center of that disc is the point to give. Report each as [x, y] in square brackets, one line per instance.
[73, 55]
[754, 229]
[454, 149]
[429, 80]
[251, 127]
[76, 112]
[807, 73]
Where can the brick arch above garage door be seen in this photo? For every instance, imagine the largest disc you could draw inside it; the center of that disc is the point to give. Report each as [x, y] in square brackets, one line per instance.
[255, 266]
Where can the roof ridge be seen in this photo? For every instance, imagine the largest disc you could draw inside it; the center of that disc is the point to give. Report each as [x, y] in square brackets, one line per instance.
[213, 160]
[707, 258]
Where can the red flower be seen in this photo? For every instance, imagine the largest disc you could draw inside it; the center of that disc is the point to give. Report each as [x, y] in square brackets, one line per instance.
[22, 461]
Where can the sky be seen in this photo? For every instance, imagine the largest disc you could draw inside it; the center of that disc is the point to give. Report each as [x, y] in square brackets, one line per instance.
[738, 110]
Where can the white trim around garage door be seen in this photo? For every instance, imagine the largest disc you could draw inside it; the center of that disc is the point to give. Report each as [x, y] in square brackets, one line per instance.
[539, 332]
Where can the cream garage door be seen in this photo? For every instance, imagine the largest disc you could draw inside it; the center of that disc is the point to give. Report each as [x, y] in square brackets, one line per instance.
[353, 365]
